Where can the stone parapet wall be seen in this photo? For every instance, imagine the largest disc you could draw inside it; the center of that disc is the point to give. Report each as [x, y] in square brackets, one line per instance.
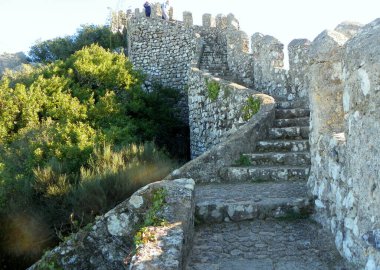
[209, 166]
[268, 58]
[164, 50]
[210, 118]
[344, 98]
[298, 67]
[214, 48]
[108, 244]
[240, 61]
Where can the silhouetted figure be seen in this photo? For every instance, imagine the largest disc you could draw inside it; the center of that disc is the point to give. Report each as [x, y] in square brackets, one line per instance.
[147, 8]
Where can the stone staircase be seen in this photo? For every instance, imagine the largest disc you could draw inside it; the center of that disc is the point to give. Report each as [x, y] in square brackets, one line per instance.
[214, 61]
[257, 218]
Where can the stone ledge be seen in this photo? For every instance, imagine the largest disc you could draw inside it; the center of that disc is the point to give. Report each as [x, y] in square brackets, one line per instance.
[206, 167]
[172, 241]
[109, 242]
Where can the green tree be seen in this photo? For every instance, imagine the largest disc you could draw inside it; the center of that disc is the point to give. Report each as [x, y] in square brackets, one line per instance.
[75, 139]
[61, 48]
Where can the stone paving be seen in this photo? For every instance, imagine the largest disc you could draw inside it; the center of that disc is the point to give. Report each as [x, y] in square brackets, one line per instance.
[255, 219]
[264, 245]
[242, 201]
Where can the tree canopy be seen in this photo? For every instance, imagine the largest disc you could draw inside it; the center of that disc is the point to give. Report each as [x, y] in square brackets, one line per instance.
[61, 48]
[75, 138]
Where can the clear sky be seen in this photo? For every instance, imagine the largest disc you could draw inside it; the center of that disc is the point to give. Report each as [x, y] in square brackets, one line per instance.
[22, 22]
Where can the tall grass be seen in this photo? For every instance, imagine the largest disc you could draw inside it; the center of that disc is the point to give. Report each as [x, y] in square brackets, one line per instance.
[64, 205]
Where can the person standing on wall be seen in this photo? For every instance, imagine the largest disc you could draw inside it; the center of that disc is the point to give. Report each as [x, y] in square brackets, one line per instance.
[147, 8]
[165, 10]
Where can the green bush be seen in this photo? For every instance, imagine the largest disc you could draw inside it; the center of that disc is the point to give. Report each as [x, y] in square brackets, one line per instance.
[76, 139]
[213, 88]
[243, 161]
[63, 47]
[251, 107]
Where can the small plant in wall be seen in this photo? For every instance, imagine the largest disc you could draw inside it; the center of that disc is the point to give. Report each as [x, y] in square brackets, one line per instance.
[213, 88]
[151, 218]
[243, 161]
[250, 108]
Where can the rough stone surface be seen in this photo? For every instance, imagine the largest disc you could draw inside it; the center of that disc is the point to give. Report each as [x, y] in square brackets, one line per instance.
[349, 29]
[237, 202]
[269, 244]
[269, 75]
[206, 168]
[109, 242]
[298, 67]
[172, 241]
[345, 161]
[165, 50]
[210, 119]
[240, 61]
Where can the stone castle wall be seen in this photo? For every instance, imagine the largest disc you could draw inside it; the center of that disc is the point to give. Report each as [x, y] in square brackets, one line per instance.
[210, 119]
[168, 52]
[165, 51]
[344, 89]
[338, 74]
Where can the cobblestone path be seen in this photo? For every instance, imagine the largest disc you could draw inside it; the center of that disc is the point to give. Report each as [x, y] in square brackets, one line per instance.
[264, 245]
[249, 220]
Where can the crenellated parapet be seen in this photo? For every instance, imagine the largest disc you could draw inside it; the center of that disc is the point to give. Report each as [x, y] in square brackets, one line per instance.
[269, 74]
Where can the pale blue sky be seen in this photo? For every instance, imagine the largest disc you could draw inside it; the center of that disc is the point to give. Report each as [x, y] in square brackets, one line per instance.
[22, 22]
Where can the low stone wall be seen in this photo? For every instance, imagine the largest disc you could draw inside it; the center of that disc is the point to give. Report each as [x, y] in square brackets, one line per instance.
[208, 167]
[210, 117]
[345, 142]
[108, 244]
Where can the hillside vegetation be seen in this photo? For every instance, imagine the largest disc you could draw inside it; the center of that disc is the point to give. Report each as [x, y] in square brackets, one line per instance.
[77, 136]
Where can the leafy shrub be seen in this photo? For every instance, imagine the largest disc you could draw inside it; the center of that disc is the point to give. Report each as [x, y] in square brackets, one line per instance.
[62, 47]
[243, 161]
[213, 88]
[76, 139]
[251, 107]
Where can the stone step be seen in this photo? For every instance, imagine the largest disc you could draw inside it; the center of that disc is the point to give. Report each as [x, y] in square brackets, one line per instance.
[216, 203]
[289, 133]
[298, 244]
[265, 173]
[282, 146]
[290, 104]
[292, 122]
[279, 158]
[292, 113]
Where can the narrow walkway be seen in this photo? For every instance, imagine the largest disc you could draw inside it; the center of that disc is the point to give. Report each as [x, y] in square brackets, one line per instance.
[264, 245]
[257, 218]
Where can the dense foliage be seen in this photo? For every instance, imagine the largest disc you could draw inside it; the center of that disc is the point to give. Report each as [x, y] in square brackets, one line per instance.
[74, 141]
[62, 47]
